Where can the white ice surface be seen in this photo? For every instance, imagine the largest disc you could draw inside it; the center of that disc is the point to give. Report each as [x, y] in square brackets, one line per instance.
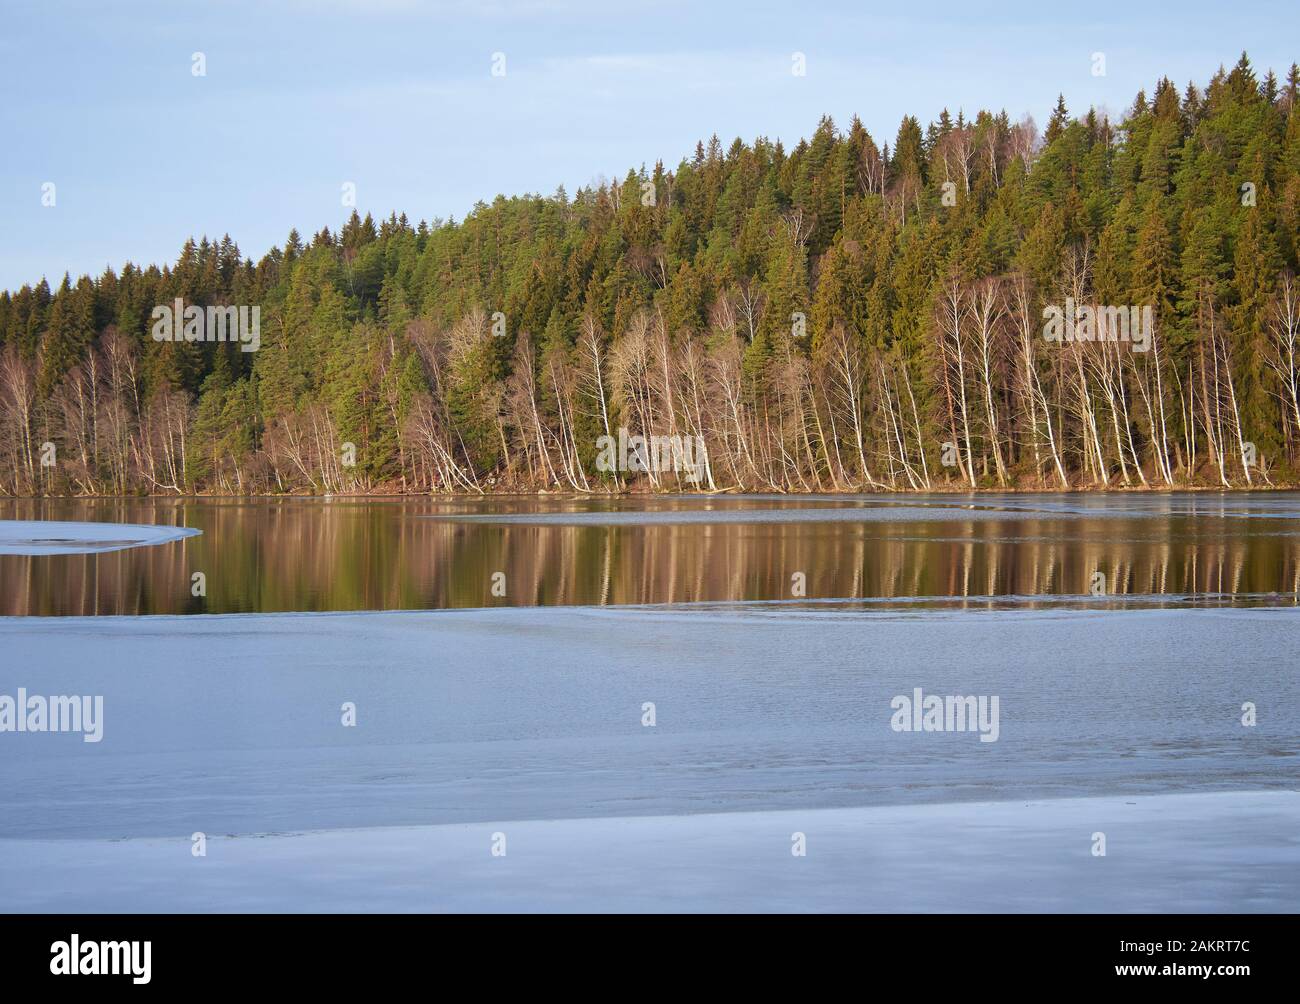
[1234, 852]
[232, 724]
[22, 536]
[768, 721]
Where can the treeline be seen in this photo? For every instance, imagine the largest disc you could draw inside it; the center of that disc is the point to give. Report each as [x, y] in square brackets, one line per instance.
[843, 315]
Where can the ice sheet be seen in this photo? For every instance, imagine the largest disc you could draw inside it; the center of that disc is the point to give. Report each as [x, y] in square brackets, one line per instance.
[64, 537]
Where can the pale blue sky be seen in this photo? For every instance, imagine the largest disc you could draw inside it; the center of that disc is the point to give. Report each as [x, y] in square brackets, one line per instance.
[397, 96]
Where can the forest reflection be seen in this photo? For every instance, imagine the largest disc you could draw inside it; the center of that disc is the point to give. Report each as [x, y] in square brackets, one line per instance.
[350, 554]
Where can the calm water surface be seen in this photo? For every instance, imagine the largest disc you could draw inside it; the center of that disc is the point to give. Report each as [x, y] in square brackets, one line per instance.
[378, 554]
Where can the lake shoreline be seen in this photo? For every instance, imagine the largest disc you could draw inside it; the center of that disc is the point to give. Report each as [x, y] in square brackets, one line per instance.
[377, 495]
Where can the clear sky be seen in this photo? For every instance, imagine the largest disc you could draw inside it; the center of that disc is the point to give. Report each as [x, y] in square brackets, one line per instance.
[398, 97]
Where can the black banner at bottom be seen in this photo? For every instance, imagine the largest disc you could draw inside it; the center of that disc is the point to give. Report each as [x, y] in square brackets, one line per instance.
[337, 952]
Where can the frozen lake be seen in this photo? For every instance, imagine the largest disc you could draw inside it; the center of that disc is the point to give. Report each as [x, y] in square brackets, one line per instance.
[772, 714]
[233, 724]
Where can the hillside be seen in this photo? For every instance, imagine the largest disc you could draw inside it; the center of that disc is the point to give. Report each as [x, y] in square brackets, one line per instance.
[845, 314]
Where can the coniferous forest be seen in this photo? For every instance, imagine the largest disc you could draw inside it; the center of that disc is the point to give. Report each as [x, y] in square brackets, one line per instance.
[850, 313]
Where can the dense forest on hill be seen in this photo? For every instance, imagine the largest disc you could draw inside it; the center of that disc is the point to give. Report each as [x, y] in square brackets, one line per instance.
[842, 315]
